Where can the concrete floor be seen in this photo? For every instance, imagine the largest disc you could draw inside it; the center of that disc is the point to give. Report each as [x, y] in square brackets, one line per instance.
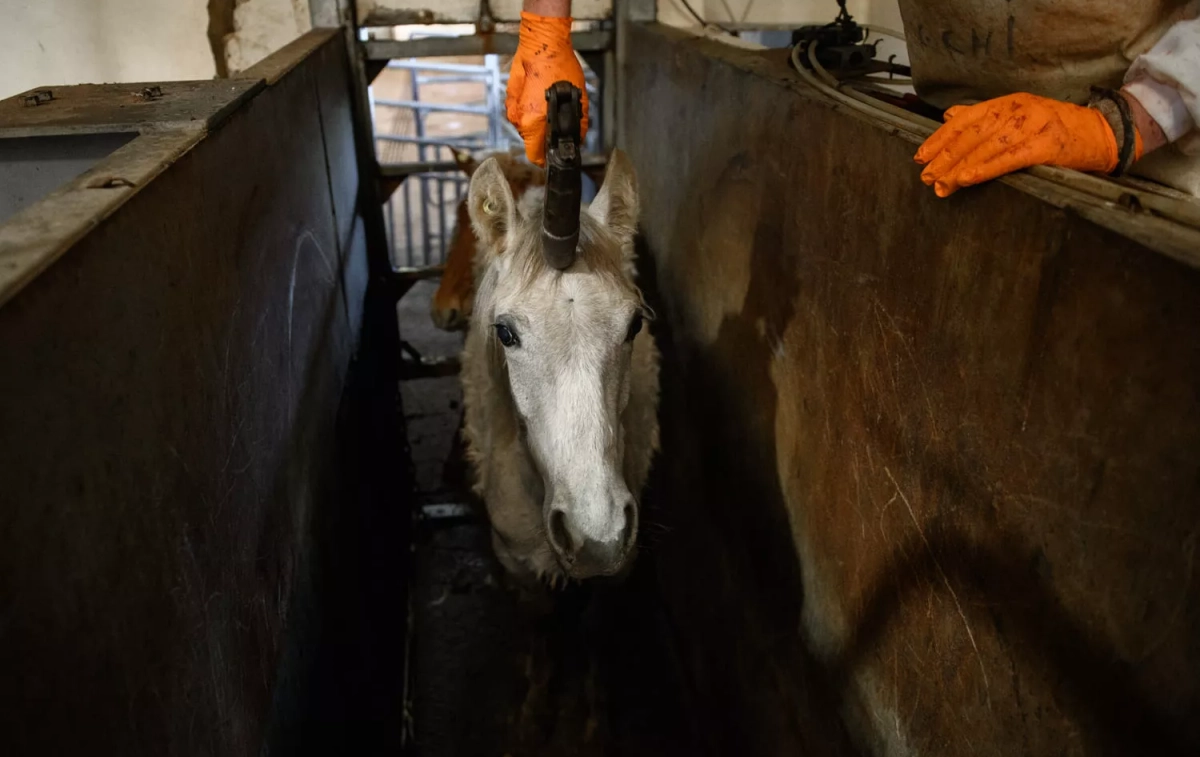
[589, 673]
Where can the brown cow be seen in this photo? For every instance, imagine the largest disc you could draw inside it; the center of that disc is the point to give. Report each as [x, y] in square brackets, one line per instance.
[451, 308]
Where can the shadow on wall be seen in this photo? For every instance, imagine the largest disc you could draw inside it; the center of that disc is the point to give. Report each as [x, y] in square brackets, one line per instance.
[342, 672]
[1090, 683]
[729, 569]
[727, 565]
[1002, 587]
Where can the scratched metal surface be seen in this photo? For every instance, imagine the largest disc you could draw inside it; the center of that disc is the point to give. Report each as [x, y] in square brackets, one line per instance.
[133, 107]
[167, 439]
[931, 464]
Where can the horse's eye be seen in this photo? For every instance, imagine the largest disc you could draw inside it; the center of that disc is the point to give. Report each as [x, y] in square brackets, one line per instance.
[634, 327]
[506, 336]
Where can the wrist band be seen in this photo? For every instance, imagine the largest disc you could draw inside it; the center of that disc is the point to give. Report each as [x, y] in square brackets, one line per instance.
[1115, 109]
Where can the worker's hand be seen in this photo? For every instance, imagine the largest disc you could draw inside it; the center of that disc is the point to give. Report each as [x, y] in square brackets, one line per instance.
[996, 137]
[544, 56]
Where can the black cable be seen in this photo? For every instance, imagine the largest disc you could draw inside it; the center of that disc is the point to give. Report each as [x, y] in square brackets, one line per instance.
[843, 14]
[701, 20]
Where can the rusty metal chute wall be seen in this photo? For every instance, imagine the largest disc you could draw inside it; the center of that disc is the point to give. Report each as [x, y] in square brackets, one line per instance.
[931, 467]
[171, 445]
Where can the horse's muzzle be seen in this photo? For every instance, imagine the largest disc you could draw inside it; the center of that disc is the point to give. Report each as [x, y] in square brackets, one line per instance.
[584, 557]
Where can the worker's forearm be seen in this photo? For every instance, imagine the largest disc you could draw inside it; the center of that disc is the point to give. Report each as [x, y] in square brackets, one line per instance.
[1163, 86]
[1153, 136]
[551, 8]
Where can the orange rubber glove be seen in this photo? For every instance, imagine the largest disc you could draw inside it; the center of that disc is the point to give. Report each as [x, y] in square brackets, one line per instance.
[544, 56]
[980, 142]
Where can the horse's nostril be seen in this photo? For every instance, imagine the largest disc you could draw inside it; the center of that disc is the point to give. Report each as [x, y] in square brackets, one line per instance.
[560, 536]
[452, 316]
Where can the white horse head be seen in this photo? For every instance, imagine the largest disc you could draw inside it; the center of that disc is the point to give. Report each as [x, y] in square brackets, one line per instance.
[560, 344]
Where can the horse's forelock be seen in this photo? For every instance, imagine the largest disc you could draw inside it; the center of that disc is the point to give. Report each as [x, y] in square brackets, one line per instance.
[599, 251]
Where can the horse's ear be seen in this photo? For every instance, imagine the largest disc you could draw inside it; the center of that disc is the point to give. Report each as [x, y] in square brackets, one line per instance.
[491, 206]
[616, 204]
[465, 160]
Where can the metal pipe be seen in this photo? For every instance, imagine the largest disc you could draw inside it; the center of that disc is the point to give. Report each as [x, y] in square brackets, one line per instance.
[449, 79]
[453, 170]
[469, 141]
[511, 132]
[440, 107]
[501, 44]
[416, 64]
[608, 102]
[408, 235]
[494, 97]
[441, 219]
[422, 192]
[390, 218]
[405, 170]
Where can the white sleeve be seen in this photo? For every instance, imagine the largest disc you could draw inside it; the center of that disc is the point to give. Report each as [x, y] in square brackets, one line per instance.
[1166, 80]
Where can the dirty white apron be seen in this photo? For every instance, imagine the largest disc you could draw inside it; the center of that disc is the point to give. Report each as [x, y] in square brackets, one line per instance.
[970, 50]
